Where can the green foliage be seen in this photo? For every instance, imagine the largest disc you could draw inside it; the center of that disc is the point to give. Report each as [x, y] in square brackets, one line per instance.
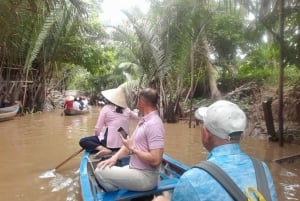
[228, 82]
[102, 74]
[225, 32]
[169, 47]
[266, 55]
[260, 76]
[41, 33]
[291, 75]
[260, 66]
[79, 79]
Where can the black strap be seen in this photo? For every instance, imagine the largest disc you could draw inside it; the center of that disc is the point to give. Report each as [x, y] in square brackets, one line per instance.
[261, 179]
[219, 175]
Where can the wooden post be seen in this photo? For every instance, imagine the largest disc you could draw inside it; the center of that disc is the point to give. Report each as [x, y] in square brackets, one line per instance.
[267, 108]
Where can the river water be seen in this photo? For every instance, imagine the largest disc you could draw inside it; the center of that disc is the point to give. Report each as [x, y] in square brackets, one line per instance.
[35, 144]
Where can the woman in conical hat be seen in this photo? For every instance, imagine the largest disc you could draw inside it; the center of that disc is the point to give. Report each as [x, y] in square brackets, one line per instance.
[116, 96]
[112, 116]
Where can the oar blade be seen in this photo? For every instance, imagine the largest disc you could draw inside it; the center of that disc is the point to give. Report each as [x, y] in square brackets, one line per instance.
[48, 174]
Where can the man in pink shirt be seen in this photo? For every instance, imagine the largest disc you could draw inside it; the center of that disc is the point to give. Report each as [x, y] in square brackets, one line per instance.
[112, 116]
[145, 147]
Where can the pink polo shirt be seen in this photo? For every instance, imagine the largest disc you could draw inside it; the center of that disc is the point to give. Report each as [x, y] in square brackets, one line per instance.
[148, 135]
[109, 118]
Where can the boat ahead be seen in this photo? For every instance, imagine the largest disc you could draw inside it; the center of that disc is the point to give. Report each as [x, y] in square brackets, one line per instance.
[70, 112]
[7, 113]
[76, 106]
[91, 190]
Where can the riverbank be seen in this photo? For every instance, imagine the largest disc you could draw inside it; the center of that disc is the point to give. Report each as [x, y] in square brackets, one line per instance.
[250, 96]
[291, 112]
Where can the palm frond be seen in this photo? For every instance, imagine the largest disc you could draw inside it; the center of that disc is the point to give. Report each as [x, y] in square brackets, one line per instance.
[38, 38]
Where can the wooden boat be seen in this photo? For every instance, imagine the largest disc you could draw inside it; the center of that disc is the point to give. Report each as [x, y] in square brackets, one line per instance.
[7, 113]
[91, 190]
[76, 107]
[70, 112]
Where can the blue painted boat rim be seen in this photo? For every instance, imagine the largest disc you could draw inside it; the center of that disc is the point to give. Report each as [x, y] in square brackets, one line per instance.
[167, 182]
[86, 191]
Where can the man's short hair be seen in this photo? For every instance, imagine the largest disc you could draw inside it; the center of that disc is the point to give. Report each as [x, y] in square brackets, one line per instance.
[150, 95]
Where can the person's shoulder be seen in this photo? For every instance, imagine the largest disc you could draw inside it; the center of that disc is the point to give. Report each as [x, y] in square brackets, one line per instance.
[197, 174]
[195, 177]
[127, 110]
[193, 171]
[107, 108]
[158, 119]
[154, 120]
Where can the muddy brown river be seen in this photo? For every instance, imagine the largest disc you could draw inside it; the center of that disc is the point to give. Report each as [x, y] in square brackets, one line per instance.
[34, 144]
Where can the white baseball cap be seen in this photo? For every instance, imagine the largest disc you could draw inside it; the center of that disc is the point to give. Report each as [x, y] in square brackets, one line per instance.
[222, 118]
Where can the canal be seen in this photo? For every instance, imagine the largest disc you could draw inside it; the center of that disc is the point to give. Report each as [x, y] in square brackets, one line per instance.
[34, 144]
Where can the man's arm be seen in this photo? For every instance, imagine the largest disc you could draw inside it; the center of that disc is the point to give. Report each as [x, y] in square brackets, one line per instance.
[113, 160]
[153, 157]
[160, 198]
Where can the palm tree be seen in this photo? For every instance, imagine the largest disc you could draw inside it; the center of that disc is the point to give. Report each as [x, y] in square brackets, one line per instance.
[34, 34]
[169, 49]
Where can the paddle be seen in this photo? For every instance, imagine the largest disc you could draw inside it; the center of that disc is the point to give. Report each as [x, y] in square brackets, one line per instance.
[50, 173]
[72, 156]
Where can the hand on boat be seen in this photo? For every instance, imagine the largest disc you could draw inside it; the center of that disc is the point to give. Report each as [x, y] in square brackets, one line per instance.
[107, 163]
[160, 198]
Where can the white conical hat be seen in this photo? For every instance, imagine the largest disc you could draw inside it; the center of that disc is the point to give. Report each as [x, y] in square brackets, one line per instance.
[115, 96]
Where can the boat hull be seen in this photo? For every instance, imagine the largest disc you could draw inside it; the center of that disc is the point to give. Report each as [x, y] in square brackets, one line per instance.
[70, 112]
[8, 113]
[91, 190]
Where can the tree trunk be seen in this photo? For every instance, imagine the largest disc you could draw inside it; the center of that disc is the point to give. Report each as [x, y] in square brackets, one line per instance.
[215, 93]
[281, 73]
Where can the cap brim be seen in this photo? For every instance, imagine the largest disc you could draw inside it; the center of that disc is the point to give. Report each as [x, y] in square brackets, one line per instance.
[200, 113]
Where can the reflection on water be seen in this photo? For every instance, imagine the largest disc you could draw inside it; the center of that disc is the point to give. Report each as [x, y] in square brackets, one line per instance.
[35, 144]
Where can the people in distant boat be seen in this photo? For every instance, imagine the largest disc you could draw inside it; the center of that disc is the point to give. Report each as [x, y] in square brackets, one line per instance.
[69, 102]
[112, 116]
[77, 104]
[145, 147]
[101, 102]
[223, 124]
[80, 103]
[84, 102]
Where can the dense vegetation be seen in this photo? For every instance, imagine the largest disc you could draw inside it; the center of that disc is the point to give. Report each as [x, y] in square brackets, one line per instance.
[184, 48]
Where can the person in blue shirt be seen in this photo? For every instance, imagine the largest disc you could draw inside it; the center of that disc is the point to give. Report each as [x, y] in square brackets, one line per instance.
[223, 124]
